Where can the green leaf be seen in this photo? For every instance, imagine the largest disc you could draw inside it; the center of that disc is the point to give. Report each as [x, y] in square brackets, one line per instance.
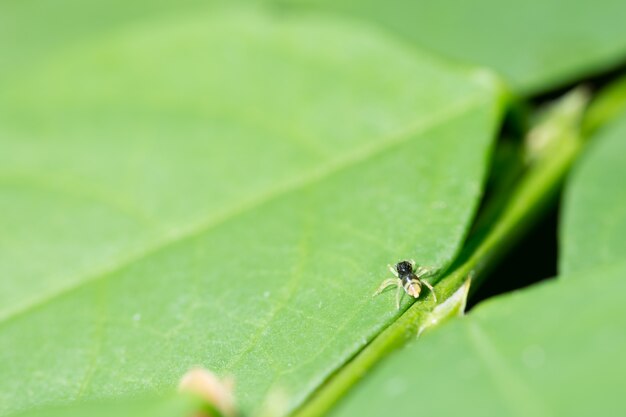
[593, 229]
[33, 31]
[552, 144]
[608, 104]
[169, 405]
[552, 350]
[555, 349]
[536, 45]
[223, 189]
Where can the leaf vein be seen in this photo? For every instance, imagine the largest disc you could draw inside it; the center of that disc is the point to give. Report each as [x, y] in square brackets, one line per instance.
[456, 109]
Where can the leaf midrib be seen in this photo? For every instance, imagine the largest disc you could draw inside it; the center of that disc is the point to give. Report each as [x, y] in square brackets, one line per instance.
[363, 154]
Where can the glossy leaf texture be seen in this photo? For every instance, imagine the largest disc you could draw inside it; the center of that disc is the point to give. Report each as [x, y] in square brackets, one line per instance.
[536, 45]
[554, 349]
[223, 189]
[593, 228]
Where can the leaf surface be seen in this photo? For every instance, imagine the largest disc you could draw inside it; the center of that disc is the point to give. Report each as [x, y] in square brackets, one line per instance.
[552, 350]
[223, 189]
[593, 227]
[536, 45]
[168, 405]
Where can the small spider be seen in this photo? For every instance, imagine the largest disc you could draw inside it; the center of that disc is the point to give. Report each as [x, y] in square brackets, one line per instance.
[408, 279]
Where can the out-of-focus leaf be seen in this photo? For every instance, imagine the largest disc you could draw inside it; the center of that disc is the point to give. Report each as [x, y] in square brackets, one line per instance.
[170, 405]
[552, 350]
[537, 45]
[593, 229]
[607, 105]
[222, 189]
[33, 31]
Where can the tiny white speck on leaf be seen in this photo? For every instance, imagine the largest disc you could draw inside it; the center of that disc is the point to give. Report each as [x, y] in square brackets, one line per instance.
[136, 317]
[266, 294]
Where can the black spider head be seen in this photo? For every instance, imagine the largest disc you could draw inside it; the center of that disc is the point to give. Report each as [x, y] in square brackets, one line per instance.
[404, 268]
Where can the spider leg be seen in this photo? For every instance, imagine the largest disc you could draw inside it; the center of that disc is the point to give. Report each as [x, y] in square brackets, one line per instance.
[421, 271]
[387, 283]
[393, 270]
[432, 290]
[413, 263]
[399, 294]
[424, 271]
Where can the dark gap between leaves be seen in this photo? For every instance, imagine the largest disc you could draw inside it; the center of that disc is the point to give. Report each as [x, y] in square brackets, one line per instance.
[533, 259]
[594, 82]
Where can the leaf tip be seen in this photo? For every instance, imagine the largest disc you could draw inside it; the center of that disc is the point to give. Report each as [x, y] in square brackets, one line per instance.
[451, 307]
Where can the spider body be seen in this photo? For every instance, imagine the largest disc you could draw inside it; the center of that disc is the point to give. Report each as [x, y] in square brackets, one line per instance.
[409, 279]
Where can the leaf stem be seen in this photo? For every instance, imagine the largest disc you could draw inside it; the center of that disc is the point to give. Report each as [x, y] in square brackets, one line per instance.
[552, 147]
